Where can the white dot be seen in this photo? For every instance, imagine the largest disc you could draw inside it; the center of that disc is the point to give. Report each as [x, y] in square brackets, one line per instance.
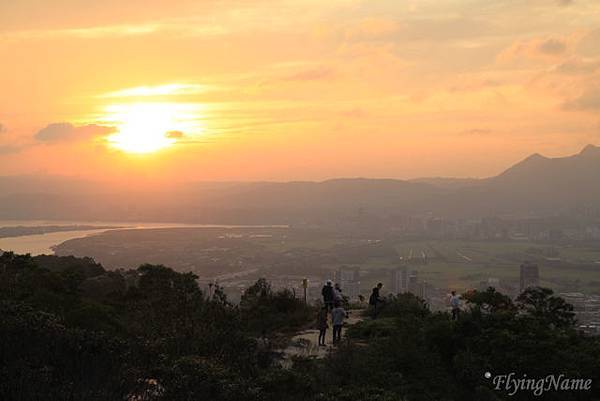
[487, 375]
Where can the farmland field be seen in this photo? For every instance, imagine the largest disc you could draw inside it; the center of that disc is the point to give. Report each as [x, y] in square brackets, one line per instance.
[278, 251]
[461, 264]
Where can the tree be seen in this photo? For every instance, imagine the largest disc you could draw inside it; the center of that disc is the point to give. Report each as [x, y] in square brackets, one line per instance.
[541, 304]
[489, 301]
[266, 311]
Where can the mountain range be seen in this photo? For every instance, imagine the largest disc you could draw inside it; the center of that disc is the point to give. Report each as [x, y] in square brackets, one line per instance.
[536, 186]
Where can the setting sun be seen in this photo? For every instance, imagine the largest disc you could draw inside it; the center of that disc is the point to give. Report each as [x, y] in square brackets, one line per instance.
[145, 127]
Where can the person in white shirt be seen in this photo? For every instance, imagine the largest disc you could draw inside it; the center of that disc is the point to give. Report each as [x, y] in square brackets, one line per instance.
[338, 314]
[455, 304]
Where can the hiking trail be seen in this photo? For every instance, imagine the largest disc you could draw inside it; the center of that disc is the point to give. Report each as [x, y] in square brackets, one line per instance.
[304, 343]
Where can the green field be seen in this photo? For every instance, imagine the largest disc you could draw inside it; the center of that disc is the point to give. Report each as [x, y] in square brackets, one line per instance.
[461, 264]
[464, 264]
[276, 252]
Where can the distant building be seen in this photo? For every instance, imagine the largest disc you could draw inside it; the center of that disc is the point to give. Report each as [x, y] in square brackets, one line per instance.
[349, 281]
[426, 292]
[530, 276]
[413, 283]
[400, 280]
[404, 281]
[420, 290]
[490, 282]
[587, 310]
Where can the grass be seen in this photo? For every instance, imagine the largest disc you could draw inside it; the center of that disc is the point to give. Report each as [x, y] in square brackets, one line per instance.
[462, 264]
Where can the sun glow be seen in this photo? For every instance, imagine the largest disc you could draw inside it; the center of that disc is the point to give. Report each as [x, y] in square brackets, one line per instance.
[147, 127]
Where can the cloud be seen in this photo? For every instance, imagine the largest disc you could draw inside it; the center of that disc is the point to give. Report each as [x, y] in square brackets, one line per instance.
[175, 134]
[161, 90]
[354, 113]
[477, 131]
[9, 149]
[3, 128]
[552, 46]
[534, 49]
[589, 46]
[372, 29]
[85, 33]
[589, 100]
[317, 74]
[61, 132]
[576, 66]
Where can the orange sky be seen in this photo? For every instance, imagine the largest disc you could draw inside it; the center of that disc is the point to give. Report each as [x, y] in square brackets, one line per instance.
[297, 89]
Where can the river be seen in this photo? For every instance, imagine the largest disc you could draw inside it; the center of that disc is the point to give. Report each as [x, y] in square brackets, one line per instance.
[39, 244]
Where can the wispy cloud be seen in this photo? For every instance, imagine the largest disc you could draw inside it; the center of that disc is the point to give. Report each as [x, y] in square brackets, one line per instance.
[160, 90]
[175, 134]
[10, 149]
[576, 66]
[60, 132]
[589, 100]
[86, 33]
[552, 46]
[317, 74]
[477, 131]
[536, 48]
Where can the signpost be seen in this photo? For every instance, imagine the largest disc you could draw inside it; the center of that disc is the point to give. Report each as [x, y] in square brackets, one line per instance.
[305, 286]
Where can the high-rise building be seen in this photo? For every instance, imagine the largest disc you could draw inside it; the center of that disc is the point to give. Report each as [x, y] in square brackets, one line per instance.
[400, 280]
[405, 281]
[413, 283]
[530, 276]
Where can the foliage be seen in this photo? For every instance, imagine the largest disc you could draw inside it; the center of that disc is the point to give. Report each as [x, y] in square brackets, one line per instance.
[542, 305]
[267, 311]
[42, 358]
[70, 331]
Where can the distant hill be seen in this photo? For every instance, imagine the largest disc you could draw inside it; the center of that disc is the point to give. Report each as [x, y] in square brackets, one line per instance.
[448, 182]
[536, 186]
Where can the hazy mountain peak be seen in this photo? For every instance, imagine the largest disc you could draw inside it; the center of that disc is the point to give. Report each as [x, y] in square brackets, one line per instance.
[536, 156]
[590, 150]
[540, 163]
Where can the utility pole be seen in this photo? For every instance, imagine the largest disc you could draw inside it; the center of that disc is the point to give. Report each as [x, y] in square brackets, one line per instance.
[305, 286]
[210, 287]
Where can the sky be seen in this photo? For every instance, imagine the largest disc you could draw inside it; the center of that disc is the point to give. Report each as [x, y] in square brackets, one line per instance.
[249, 90]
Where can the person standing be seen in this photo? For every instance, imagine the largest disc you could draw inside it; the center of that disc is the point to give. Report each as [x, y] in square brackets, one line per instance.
[328, 294]
[322, 324]
[338, 314]
[375, 299]
[337, 294]
[455, 304]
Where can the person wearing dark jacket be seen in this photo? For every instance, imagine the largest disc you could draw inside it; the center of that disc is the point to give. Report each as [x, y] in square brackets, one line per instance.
[375, 300]
[328, 294]
[322, 324]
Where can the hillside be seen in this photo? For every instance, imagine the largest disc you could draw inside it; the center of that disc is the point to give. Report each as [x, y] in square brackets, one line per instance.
[73, 331]
[536, 186]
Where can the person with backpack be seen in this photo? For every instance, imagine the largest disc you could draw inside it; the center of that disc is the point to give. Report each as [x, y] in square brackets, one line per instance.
[328, 294]
[375, 300]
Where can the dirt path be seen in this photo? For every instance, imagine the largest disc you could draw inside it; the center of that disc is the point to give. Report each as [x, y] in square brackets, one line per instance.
[304, 344]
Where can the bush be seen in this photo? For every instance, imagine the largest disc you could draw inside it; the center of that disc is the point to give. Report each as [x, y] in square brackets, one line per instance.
[266, 311]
